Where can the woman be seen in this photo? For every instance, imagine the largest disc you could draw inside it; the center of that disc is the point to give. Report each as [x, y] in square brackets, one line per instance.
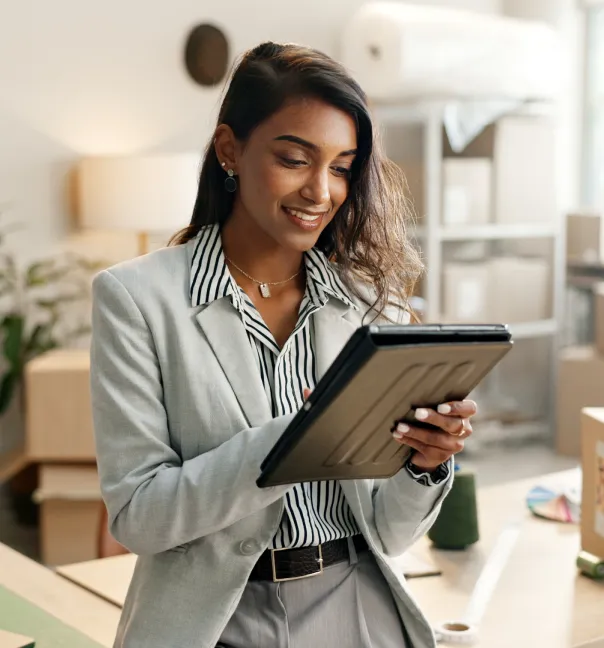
[202, 353]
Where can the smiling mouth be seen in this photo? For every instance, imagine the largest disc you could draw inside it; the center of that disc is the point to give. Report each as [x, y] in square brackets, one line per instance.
[305, 216]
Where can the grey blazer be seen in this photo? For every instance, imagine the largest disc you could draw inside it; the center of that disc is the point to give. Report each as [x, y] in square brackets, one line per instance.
[181, 425]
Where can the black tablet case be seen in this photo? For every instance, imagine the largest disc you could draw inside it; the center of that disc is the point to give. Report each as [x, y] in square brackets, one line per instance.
[381, 375]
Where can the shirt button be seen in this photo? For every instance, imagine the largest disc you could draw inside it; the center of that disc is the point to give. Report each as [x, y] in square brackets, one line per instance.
[248, 547]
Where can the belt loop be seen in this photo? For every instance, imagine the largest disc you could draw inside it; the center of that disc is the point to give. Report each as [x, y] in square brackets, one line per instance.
[352, 551]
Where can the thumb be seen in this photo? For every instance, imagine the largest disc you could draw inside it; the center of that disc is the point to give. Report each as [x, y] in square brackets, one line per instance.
[307, 392]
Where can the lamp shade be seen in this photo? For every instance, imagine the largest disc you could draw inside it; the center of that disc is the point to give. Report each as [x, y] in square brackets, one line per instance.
[139, 194]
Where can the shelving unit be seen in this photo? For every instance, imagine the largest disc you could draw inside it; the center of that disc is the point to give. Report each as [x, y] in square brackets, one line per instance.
[432, 235]
[496, 232]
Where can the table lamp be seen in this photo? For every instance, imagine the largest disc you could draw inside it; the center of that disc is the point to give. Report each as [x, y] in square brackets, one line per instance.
[138, 194]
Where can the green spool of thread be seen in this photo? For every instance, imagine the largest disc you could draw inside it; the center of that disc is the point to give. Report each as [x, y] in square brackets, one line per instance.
[590, 565]
[456, 526]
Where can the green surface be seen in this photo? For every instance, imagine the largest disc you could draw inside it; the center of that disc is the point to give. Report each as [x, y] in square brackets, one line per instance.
[22, 617]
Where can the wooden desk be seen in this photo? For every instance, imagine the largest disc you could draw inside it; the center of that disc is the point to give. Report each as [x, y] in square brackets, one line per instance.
[70, 604]
[541, 600]
[108, 578]
[10, 640]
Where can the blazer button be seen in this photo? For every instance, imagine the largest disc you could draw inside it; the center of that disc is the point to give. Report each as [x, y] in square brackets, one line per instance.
[248, 547]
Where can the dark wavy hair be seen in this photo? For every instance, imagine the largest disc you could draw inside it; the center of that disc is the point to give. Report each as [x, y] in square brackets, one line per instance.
[367, 238]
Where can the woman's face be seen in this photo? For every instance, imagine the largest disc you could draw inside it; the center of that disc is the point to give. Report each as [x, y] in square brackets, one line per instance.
[293, 172]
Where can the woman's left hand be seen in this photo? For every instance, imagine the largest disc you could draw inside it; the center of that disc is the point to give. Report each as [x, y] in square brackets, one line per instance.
[434, 447]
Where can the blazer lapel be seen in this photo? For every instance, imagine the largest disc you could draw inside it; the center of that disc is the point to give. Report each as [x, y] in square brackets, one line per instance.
[225, 333]
[222, 326]
[332, 331]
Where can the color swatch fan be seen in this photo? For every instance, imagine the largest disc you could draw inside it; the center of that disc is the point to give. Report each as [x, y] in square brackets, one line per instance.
[554, 505]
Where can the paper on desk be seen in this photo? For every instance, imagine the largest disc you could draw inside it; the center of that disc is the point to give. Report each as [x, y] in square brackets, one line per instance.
[414, 567]
[10, 640]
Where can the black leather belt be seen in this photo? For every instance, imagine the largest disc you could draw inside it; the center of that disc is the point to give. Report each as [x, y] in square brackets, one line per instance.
[291, 564]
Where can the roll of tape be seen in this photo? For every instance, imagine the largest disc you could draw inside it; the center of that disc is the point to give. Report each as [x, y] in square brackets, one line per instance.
[590, 565]
[456, 632]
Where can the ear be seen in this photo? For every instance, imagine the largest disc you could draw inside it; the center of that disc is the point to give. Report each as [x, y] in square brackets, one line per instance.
[226, 147]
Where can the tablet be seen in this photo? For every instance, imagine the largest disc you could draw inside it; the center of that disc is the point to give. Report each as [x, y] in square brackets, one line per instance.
[384, 372]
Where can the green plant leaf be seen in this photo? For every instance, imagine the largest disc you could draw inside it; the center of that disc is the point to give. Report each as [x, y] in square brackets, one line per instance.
[34, 276]
[78, 332]
[90, 265]
[39, 341]
[7, 388]
[53, 275]
[13, 326]
[42, 346]
[52, 303]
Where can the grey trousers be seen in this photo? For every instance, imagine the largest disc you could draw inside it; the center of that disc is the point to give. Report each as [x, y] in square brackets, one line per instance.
[349, 606]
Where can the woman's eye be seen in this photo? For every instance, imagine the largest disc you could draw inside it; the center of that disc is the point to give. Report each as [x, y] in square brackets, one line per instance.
[293, 163]
[343, 171]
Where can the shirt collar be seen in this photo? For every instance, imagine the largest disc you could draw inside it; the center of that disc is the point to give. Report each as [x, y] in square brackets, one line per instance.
[210, 276]
[211, 279]
[323, 274]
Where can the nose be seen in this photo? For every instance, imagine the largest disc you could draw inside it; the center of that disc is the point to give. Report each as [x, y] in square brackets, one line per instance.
[316, 188]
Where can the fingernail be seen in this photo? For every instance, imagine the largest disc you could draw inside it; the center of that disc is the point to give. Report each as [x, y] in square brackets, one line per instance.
[400, 431]
[421, 413]
[444, 409]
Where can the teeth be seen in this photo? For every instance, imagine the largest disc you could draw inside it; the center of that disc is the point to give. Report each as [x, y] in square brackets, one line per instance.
[303, 216]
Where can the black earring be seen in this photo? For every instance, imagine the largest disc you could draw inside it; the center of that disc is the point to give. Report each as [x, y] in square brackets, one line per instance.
[230, 182]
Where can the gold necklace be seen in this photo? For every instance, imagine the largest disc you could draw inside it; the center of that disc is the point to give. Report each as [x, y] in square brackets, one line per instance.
[263, 286]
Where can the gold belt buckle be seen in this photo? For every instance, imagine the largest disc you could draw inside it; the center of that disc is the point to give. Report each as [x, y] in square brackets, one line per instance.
[292, 578]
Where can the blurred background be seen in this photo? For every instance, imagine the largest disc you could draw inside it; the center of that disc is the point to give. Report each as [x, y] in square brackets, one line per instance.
[493, 108]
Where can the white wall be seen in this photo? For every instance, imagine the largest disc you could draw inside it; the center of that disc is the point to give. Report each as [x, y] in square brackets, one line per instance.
[80, 78]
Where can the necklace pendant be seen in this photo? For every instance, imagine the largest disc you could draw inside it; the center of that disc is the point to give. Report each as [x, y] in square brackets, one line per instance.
[265, 290]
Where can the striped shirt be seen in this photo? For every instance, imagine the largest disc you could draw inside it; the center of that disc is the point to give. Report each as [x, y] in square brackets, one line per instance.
[315, 512]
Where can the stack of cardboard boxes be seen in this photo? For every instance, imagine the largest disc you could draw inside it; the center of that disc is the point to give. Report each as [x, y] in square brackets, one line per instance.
[581, 368]
[59, 441]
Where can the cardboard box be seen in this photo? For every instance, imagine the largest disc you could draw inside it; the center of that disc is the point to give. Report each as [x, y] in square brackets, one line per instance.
[580, 384]
[524, 167]
[466, 191]
[58, 409]
[584, 238]
[592, 500]
[599, 317]
[503, 289]
[70, 513]
[520, 290]
[465, 291]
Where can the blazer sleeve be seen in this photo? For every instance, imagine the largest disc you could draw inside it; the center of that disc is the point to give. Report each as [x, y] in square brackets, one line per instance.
[155, 500]
[405, 509]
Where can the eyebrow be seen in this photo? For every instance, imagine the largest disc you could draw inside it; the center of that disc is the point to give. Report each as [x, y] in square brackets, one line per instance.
[309, 145]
